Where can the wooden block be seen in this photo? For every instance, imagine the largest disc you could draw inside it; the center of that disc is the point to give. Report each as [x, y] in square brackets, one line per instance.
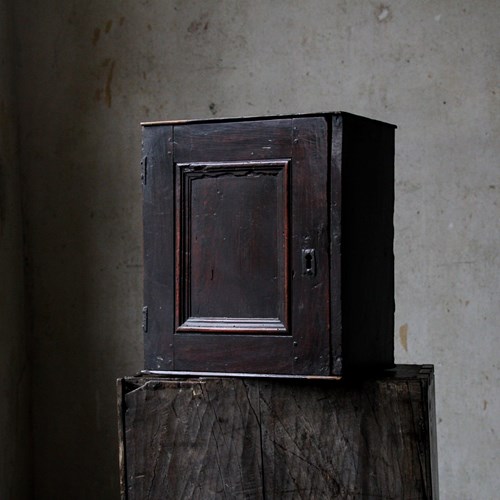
[257, 438]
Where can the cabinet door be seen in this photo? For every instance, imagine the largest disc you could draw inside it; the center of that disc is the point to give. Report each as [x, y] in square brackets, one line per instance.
[247, 220]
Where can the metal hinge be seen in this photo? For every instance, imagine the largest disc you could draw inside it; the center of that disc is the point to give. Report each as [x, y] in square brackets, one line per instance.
[145, 319]
[144, 170]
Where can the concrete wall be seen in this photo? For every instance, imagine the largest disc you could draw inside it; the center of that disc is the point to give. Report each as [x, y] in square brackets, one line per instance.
[15, 474]
[91, 70]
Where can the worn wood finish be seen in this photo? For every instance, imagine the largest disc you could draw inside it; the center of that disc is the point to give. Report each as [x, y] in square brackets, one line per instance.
[336, 275]
[367, 440]
[229, 141]
[275, 244]
[158, 215]
[191, 439]
[234, 265]
[255, 438]
[310, 293]
[224, 353]
[232, 239]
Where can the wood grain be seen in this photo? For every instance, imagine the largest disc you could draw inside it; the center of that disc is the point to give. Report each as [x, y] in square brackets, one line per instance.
[226, 141]
[234, 244]
[194, 439]
[158, 215]
[310, 294]
[280, 439]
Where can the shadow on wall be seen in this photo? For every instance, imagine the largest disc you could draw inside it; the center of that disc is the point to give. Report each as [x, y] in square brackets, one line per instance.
[99, 70]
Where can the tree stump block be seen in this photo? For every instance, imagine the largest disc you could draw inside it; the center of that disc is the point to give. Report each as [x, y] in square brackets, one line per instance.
[262, 438]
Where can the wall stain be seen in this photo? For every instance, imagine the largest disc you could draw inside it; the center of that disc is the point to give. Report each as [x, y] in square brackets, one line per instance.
[107, 87]
[107, 28]
[383, 13]
[199, 25]
[403, 336]
[95, 38]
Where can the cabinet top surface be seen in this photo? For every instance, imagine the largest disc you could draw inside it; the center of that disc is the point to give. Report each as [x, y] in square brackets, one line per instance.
[249, 118]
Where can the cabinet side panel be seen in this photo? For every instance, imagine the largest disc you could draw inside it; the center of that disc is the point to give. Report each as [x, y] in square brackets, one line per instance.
[367, 242]
[335, 181]
[158, 213]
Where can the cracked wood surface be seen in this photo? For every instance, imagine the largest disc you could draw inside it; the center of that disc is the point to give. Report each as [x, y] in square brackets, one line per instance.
[279, 439]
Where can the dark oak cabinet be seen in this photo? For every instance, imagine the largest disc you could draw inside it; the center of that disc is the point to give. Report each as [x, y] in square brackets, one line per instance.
[268, 245]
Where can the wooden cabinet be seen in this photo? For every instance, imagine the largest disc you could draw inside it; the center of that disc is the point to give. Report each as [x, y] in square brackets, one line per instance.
[268, 245]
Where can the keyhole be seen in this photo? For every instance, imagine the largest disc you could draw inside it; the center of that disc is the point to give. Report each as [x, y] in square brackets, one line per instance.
[308, 263]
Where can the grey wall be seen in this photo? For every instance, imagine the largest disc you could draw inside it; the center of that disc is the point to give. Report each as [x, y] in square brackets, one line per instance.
[15, 473]
[91, 70]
